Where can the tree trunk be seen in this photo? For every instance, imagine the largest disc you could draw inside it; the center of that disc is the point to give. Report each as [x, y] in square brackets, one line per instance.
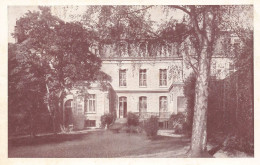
[199, 129]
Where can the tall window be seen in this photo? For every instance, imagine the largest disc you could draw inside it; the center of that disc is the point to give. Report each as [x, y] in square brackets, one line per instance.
[122, 107]
[122, 78]
[181, 103]
[142, 104]
[163, 104]
[80, 104]
[142, 77]
[90, 104]
[163, 77]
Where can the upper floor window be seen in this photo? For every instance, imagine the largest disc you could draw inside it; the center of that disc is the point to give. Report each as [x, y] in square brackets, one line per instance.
[122, 78]
[142, 104]
[90, 104]
[163, 77]
[142, 77]
[163, 104]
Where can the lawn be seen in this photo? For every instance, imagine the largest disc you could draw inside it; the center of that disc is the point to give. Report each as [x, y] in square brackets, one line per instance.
[100, 144]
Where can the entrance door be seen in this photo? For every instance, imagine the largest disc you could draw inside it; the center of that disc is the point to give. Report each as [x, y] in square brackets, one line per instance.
[68, 116]
[122, 107]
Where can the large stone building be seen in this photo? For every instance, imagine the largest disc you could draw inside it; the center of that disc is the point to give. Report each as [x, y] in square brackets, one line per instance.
[147, 79]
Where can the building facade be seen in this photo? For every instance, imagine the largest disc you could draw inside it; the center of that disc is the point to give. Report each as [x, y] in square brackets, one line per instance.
[147, 79]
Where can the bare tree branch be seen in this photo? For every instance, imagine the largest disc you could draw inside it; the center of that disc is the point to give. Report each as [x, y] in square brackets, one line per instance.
[137, 11]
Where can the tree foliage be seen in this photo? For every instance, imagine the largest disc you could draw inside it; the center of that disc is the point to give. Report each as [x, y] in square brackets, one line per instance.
[113, 23]
[55, 55]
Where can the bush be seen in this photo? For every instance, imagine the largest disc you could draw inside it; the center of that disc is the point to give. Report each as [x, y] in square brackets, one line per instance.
[132, 119]
[151, 126]
[133, 129]
[107, 120]
[178, 122]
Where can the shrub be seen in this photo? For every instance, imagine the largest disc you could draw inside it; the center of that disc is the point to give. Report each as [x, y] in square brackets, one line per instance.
[107, 120]
[151, 126]
[134, 129]
[132, 119]
[178, 122]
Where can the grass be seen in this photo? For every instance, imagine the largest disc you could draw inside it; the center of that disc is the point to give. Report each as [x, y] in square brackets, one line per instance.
[94, 144]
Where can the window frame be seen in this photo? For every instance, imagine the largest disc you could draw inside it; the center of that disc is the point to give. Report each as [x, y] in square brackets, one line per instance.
[142, 50]
[91, 98]
[163, 100]
[122, 79]
[143, 78]
[163, 77]
[142, 101]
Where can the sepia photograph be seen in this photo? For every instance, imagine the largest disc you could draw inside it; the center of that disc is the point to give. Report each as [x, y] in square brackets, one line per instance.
[131, 81]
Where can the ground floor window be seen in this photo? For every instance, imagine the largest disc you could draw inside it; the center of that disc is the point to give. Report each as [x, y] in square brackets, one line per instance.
[90, 103]
[90, 123]
[181, 104]
[163, 104]
[122, 107]
[142, 104]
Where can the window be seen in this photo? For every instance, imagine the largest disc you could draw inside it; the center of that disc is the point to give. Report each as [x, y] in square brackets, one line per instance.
[142, 50]
[181, 104]
[122, 107]
[142, 104]
[90, 123]
[80, 104]
[163, 104]
[163, 77]
[122, 78]
[90, 104]
[123, 50]
[142, 77]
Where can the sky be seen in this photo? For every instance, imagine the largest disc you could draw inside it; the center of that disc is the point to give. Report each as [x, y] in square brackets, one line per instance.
[15, 12]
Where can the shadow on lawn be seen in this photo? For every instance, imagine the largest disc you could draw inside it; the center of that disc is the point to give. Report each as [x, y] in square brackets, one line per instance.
[47, 139]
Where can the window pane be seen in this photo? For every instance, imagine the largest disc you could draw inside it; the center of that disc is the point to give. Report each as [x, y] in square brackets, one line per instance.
[122, 77]
[163, 103]
[142, 77]
[163, 77]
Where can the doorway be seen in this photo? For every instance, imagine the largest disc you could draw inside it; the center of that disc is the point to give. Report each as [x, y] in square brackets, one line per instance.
[68, 116]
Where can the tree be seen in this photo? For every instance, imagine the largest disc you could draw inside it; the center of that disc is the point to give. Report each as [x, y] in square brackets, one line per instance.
[205, 23]
[25, 90]
[64, 57]
[112, 23]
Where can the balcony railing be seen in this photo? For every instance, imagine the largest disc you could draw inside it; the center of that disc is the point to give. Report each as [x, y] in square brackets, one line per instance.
[146, 115]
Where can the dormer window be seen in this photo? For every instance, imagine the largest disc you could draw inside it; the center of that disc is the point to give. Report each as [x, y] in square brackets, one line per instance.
[123, 50]
[142, 50]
